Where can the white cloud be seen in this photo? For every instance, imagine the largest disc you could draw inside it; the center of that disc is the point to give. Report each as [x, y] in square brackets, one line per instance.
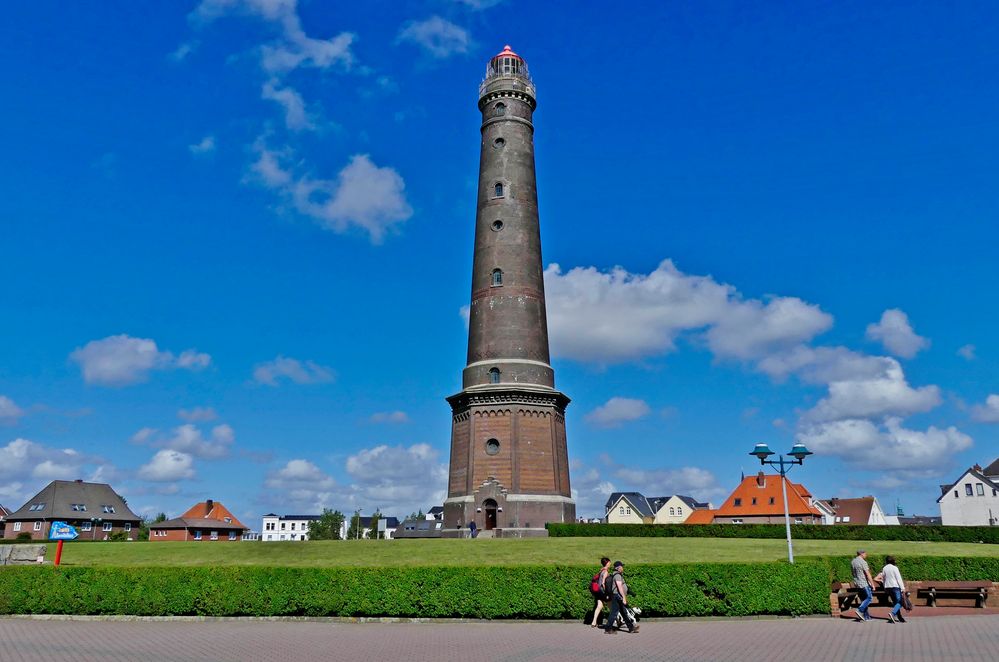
[363, 195]
[121, 360]
[190, 440]
[479, 5]
[23, 458]
[299, 372]
[888, 447]
[896, 334]
[617, 316]
[296, 117]
[987, 412]
[439, 37]
[887, 393]
[389, 417]
[197, 414]
[967, 352]
[181, 52]
[205, 146]
[167, 466]
[293, 48]
[9, 412]
[616, 411]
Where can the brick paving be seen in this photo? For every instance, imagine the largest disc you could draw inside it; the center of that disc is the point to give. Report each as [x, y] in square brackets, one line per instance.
[954, 637]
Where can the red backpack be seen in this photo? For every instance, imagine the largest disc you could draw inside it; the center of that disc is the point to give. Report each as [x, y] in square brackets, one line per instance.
[595, 585]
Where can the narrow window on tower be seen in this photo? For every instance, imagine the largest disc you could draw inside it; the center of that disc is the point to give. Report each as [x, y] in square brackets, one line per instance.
[497, 277]
[499, 109]
[494, 376]
[499, 190]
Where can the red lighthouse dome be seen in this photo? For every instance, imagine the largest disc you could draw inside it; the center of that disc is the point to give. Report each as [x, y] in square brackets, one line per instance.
[507, 63]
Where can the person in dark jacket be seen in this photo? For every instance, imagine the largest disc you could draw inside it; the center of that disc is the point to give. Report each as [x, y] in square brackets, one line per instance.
[619, 589]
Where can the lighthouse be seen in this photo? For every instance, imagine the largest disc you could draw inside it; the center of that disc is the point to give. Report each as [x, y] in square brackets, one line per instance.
[509, 469]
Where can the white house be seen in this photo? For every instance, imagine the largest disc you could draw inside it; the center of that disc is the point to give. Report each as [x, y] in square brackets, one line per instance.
[286, 527]
[634, 508]
[973, 499]
[862, 510]
[677, 508]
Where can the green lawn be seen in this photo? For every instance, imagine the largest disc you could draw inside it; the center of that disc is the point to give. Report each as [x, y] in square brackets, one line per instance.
[564, 551]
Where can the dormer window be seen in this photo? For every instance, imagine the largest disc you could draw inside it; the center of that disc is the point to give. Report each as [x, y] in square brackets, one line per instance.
[498, 190]
[494, 376]
[497, 279]
[79, 507]
[108, 509]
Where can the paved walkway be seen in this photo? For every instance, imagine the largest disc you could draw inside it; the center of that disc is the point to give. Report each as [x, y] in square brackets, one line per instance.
[938, 638]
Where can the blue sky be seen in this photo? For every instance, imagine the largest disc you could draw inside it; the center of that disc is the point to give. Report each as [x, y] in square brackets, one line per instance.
[236, 241]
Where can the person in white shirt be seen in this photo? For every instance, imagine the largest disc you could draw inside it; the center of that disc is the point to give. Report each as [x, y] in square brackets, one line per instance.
[893, 583]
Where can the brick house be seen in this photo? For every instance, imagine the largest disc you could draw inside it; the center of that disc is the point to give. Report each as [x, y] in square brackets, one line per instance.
[758, 500]
[208, 521]
[95, 509]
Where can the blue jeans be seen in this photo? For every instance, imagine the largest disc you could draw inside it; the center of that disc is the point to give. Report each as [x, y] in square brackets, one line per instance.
[868, 596]
[896, 595]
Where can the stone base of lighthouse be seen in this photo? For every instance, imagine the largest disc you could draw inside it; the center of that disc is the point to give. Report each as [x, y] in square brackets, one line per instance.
[509, 470]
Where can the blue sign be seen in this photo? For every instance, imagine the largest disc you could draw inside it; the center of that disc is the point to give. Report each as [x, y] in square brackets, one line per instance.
[62, 531]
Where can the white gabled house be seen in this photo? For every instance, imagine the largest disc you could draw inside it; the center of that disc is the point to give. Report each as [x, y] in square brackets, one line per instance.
[635, 508]
[972, 499]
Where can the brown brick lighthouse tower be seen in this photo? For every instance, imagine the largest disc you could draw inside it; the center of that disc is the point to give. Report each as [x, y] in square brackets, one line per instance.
[509, 466]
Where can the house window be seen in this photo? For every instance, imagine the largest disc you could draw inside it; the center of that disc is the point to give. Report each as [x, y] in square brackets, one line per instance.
[107, 526]
[979, 489]
[679, 511]
[967, 489]
[494, 376]
[283, 536]
[128, 527]
[955, 494]
[771, 501]
[754, 501]
[108, 509]
[497, 277]
[846, 518]
[38, 526]
[282, 526]
[37, 506]
[837, 518]
[228, 520]
[671, 511]
[499, 109]
[620, 511]
[627, 511]
[498, 191]
[798, 520]
[197, 535]
[215, 535]
[292, 526]
[17, 526]
[738, 502]
[232, 535]
[737, 520]
[80, 507]
[86, 526]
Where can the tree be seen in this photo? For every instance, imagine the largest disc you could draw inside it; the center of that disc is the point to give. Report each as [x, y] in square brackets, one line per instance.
[356, 530]
[327, 527]
[161, 517]
[375, 533]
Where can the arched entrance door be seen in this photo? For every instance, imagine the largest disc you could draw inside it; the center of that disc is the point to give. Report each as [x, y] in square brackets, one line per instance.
[489, 506]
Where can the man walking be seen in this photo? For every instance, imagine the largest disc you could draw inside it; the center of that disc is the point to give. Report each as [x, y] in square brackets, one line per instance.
[619, 601]
[862, 579]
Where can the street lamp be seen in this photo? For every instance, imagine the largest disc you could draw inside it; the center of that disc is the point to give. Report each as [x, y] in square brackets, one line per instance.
[94, 521]
[799, 453]
[357, 531]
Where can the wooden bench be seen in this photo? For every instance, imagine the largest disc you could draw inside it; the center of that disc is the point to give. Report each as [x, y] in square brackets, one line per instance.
[978, 591]
[850, 596]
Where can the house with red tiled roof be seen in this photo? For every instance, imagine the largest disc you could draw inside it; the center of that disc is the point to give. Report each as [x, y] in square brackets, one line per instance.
[205, 521]
[703, 516]
[758, 500]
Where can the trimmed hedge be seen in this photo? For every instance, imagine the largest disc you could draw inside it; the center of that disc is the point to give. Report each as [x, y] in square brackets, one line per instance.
[532, 592]
[985, 534]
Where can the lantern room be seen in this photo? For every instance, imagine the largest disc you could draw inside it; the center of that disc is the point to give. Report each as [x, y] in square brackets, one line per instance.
[507, 63]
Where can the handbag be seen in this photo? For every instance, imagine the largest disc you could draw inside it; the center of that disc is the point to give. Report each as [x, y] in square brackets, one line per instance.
[906, 602]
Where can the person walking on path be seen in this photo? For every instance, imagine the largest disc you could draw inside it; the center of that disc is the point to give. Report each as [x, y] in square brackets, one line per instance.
[619, 602]
[893, 583]
[862, 579]
[600, 595]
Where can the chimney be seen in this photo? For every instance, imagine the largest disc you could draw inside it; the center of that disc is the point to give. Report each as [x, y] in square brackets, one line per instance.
[208, 507]
[761, 479]
[977, 467]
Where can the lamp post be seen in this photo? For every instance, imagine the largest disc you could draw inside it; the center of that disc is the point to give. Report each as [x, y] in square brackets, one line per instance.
[357, 531]
[782, 464]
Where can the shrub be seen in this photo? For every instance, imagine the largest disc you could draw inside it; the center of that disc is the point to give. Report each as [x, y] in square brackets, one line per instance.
[986, 534]
[535, 592]
[23, 537]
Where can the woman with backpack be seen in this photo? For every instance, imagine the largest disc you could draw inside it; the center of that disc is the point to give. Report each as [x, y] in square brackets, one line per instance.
[598, 591]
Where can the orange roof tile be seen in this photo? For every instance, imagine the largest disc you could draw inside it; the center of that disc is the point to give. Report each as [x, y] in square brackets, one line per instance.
[703, 516]
[768, 499]
[211, 510]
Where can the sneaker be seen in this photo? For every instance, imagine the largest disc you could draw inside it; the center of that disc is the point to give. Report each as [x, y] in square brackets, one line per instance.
[901, 619]
[610, 631]
[635, 631]
[891, 617]
[860, 615]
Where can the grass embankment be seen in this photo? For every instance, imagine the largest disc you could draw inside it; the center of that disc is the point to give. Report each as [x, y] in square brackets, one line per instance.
[550, 551]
